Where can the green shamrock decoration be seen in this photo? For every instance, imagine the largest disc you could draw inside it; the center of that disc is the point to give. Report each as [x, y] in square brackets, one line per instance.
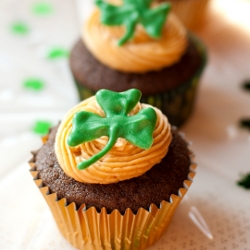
[137, 129]
[133, 12]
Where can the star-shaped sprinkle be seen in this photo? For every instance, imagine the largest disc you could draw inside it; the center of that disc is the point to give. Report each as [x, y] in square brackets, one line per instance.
[20, 28]
[41, 127]
[36, 84]
[57, 53]
[42, 8]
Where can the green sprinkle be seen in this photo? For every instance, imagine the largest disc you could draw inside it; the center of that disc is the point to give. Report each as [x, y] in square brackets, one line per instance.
[41, 127]
[20, 28]
[42, 8]
[57, 53]
[246, 85]
[36, 84]
[245, 181]
[245, 123]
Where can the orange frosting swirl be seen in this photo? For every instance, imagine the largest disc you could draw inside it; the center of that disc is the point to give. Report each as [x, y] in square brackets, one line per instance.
[142, 53]
[123, 161]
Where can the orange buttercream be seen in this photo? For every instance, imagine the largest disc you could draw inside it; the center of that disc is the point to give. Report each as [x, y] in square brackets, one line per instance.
[142, 53]
[123, 161]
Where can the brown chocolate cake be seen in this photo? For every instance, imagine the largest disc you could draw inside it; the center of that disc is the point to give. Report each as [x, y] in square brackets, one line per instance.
[94, 75]
[155, 185]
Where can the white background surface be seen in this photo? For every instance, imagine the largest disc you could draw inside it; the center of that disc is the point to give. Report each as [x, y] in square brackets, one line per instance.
[222, 149]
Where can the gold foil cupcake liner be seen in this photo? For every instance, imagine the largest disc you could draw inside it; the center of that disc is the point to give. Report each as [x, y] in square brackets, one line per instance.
[89, 229]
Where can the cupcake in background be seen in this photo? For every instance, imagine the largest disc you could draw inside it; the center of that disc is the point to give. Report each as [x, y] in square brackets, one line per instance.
[191, 12]
[139, 45]
[113, 172]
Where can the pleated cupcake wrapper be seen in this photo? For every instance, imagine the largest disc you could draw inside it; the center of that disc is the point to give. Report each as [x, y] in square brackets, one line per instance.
[177, 104]
[190, 12]
[88, 229]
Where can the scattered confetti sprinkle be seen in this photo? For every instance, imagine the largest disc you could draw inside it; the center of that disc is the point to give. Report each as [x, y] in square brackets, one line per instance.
[245, 123]
[36, 84]
[41, 127]
[20, 28]
[246, 85]
[57, 53]
[245, 181]
[42, 8]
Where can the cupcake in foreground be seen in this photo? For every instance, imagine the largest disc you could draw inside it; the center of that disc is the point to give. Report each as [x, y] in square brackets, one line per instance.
[113, 172]
[191, 12]
[139, 44]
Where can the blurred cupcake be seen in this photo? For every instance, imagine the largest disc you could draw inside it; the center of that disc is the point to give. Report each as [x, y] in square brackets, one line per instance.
[113, 172]
[191, 12]
[141, 47]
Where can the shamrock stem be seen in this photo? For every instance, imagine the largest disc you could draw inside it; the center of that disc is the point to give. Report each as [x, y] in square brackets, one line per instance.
[130, 28]
[112, 140]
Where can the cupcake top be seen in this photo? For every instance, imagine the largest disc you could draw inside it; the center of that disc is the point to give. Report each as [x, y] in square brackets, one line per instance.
[135, 36]
[111, 137]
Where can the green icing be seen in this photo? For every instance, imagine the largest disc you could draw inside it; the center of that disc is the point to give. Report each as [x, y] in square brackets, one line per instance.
[57, 53]
[134, 12]
[36, 84]
[245, 181]
[41, 127]
[20, 28]
[42, 8]
[137, 129]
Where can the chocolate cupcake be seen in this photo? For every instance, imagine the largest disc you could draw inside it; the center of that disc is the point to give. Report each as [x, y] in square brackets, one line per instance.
[113, 172]
[157, 56]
